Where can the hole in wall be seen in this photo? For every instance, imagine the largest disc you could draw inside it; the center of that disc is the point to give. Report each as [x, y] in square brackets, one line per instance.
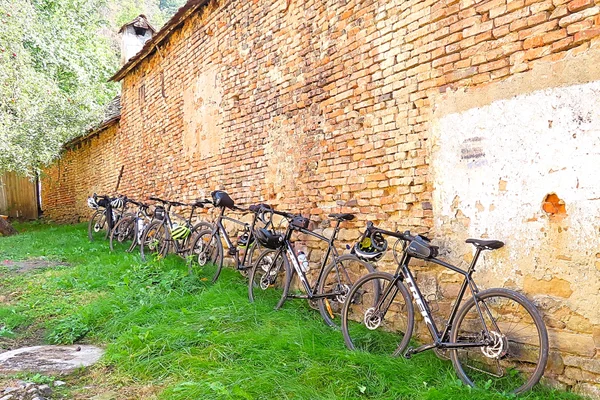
[554, 206]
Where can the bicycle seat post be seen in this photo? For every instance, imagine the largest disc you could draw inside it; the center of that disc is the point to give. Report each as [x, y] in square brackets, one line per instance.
[474, 261]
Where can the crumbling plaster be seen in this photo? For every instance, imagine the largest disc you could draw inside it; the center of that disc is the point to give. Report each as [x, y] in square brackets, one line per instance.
[496, 153]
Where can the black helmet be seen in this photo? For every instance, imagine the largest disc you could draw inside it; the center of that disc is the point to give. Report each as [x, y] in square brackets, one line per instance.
[268, 239]
[242, 241]
[370, 248]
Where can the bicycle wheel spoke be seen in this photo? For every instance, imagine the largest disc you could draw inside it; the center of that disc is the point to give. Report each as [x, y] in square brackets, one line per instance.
[368, 327]
[337, 281]
[516, 351]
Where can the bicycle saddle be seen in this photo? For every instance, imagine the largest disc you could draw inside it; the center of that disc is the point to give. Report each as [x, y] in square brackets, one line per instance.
[486, 244]
[342, 217]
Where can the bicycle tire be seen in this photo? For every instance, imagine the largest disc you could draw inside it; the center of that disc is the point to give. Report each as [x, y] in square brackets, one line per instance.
[270, 271]
[125, 226]
[157, 231]
[528, 344]
[207, 248]
[96, 224]
[195, 230]
[341, 279]
[372, 333]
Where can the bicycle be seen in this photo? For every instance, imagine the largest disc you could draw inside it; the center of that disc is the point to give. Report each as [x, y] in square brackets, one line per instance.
[497, 339]
[131, 227]
[109, 211]
[163, 234]
[208, 246]
[334, 280]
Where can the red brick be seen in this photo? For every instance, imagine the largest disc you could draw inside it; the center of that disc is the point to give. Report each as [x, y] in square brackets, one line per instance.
[586, 35]
[577, 5]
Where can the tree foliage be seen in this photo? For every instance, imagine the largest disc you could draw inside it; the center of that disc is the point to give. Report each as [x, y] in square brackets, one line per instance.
[55, 59]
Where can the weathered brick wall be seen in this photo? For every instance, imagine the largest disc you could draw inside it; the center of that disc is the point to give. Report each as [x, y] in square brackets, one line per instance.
[91, 166]
[334, 100]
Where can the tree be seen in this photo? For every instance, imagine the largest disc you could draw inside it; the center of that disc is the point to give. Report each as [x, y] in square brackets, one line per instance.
[53, 73]
[55, 59]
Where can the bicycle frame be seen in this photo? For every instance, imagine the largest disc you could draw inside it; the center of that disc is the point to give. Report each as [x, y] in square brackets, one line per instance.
[179, 243]
[440, 339]
[310, 293]
[223, 232]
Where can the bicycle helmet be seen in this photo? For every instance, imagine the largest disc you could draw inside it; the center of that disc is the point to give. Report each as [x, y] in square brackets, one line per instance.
[117, 203]
[370, 248]
[180, 232]
[91, 202]
[242, 241]
[268, 239]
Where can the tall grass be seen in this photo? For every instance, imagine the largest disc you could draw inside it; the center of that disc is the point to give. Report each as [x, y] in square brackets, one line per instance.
[197, 340]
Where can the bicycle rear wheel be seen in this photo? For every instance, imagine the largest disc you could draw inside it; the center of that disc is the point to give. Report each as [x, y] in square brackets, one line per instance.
[517, 356]
[337, 280]
[154, 240]
[207, 249]
[269, 278]
[378, 315]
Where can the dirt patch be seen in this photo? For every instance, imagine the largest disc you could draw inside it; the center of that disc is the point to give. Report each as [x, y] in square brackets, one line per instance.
[21, 267]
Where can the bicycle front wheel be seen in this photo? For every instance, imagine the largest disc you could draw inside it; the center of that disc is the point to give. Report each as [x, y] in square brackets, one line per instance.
[123, 230]
[207, 249]
[97, 225]
[378, 315]
[269, 277]
[336, 282]
[515, 359]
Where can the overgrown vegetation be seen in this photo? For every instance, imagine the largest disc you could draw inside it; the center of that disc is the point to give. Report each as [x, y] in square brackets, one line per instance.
[194, 340]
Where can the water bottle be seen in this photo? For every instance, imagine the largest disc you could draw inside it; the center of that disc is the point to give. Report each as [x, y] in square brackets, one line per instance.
[140, 226]
[303, 261]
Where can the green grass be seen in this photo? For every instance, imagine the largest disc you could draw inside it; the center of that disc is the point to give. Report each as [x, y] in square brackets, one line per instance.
[196, 340]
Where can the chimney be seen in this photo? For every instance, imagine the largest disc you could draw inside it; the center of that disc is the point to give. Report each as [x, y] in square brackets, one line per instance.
[133, 37]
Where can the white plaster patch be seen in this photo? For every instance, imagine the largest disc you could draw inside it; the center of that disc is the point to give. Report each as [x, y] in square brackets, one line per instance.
[202, 116]
[494, 165]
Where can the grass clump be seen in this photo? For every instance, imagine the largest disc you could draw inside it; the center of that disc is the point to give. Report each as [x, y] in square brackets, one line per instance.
[195, 340]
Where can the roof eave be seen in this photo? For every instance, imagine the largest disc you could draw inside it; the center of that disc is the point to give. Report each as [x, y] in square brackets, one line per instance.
[92, 132]
[180, 16]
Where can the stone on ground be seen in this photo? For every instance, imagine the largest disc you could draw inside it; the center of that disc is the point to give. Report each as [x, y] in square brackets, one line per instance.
[55, 360]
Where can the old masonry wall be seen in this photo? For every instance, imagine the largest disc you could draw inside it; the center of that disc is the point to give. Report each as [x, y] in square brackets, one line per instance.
[458, 118]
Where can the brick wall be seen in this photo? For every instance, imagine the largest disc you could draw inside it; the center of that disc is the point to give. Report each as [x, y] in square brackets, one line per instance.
[324, 102]
[88, 167]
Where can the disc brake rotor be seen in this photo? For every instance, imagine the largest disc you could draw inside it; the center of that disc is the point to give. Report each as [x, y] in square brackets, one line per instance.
[372, 319]
[343, 291]
[498, 348]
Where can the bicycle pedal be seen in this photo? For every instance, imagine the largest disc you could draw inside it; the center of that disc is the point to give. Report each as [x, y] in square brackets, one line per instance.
[408, 353]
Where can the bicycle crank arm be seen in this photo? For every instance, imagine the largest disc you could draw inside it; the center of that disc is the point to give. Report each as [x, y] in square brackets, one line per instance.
[297, 296]
[412, 351]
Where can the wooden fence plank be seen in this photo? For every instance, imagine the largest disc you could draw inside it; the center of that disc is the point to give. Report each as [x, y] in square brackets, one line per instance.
[18, 198]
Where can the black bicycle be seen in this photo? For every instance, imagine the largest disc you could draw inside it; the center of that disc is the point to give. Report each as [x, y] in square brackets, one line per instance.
[208, 246]
[109, 211]
[164, 234]
[131, 226]
[497, 339]
[333, 282]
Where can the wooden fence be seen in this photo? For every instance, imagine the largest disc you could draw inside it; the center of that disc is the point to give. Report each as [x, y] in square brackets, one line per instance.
[18, 196]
